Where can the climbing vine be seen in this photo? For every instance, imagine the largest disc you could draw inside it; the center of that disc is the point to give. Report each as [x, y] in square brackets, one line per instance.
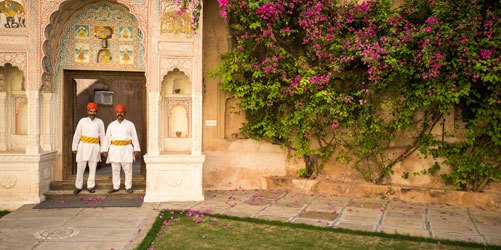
[365, 82]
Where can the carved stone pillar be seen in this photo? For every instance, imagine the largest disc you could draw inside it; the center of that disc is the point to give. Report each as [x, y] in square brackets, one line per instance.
[153, 123]
[33, 122]
[3, 121]
[197, 124]
[48, 103]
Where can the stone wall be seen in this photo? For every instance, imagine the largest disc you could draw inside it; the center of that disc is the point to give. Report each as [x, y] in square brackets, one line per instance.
[235, 162]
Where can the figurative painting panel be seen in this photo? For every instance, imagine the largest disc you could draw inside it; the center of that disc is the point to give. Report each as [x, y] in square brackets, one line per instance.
[81, 31]
[104, 56]
[12, 15]
[174, 23]
[125, 33]
[126, 54]
[82, 52]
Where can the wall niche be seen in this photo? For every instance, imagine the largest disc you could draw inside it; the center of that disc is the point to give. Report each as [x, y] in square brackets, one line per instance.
[176, 112]
[13, 109]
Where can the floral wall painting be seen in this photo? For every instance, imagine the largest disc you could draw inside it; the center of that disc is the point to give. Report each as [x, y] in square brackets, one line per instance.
[104, 33]
[81, 31]
[104, 56]
[125, 33]
[126, 54]
[81, 52]
[174, 23]
[12, 15]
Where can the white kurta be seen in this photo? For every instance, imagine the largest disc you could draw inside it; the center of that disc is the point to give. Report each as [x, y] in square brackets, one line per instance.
[90, 128]
[123, 131]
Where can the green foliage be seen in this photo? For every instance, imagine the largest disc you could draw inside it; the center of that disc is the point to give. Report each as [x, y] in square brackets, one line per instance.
[353, 80]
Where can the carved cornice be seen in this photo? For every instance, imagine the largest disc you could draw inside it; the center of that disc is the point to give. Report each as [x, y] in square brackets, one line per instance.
[164, 159]
[24, 158]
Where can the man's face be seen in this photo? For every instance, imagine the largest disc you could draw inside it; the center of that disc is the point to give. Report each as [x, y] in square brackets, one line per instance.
[92, 113]
[120, 114]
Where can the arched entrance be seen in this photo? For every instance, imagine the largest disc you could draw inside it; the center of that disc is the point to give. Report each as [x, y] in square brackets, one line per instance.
[92, 47]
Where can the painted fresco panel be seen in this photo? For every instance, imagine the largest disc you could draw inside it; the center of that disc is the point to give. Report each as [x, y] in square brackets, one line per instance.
[12, 15]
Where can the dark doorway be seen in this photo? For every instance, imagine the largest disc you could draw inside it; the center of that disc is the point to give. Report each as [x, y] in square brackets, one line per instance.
[126, 88]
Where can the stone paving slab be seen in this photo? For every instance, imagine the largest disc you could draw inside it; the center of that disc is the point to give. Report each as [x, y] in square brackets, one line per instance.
[404, 223]
[318, 215]
[116, 227]
[274, 218]
[404, 231]
[82, 245]
[278, 210]
[357, 226]
[456, 228]
[359, 219]
[318, 223]
[461, 237]
[493, 240]
[406, 215]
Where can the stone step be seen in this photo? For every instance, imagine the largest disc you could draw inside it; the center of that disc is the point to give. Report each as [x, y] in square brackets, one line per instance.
[84, 194]
[100, 185]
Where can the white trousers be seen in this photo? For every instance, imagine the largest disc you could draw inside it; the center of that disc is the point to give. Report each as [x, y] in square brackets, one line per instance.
[115, 169]
[91, 180]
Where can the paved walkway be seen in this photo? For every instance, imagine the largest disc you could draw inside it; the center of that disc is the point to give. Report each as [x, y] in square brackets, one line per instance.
[124, 228]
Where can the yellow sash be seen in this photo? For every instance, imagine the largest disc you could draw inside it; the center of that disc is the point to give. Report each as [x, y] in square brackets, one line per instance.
[92, 140]
[121, 143]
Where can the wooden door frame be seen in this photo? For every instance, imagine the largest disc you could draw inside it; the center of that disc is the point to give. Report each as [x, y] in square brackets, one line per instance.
[69, 121]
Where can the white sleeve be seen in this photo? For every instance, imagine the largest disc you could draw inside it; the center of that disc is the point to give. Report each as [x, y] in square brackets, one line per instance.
[102, 136]
[135, 140]
[107, 139]
[76, 136]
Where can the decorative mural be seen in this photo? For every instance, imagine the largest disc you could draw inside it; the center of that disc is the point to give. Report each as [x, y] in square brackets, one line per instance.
[12, 15]
[173, 23]
[81, 52]
[103, 36]
[81, 31]
[126, 54]
[125, 33]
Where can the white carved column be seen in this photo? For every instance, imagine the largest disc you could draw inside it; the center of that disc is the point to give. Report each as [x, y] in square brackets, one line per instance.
[153, 123]
[197, 90]
[33, 122]
[48, 102]
[3, 121]
[197, 124]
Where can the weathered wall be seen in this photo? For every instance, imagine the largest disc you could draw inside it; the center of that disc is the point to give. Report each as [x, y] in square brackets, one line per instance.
[235, 162]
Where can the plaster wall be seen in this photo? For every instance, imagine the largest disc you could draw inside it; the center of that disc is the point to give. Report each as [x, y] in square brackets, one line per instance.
[235, 162]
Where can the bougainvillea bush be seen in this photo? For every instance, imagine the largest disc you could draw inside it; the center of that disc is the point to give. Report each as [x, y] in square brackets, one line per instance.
[349, 80]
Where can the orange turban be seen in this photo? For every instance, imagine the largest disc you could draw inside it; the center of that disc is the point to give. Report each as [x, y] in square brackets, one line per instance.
[119, 106]
[92, 105]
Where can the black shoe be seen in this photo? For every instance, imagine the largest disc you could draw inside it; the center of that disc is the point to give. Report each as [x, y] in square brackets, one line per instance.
[113, 191]
[129, 190]
[77, 191]
[92, 190]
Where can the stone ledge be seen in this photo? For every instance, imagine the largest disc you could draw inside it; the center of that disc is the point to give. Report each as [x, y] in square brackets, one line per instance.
[487, 200]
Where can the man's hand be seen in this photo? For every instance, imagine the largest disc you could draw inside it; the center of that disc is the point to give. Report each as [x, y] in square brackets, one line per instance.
[136, 153]
[105, 154]
[74, 151]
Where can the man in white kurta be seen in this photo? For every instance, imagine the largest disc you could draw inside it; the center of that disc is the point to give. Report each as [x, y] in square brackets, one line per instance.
[88, 134]
[121, 148]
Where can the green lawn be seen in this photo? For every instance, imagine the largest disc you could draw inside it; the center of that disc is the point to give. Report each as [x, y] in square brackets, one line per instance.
[223, 232]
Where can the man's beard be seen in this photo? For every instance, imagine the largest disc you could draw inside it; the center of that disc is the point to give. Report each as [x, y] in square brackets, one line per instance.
[92, 115]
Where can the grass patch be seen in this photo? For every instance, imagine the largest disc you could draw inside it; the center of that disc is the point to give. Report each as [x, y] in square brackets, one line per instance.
[3, 213]
[193, 230]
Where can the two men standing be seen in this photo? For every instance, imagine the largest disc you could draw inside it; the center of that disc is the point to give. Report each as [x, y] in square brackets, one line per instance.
[120, 145]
